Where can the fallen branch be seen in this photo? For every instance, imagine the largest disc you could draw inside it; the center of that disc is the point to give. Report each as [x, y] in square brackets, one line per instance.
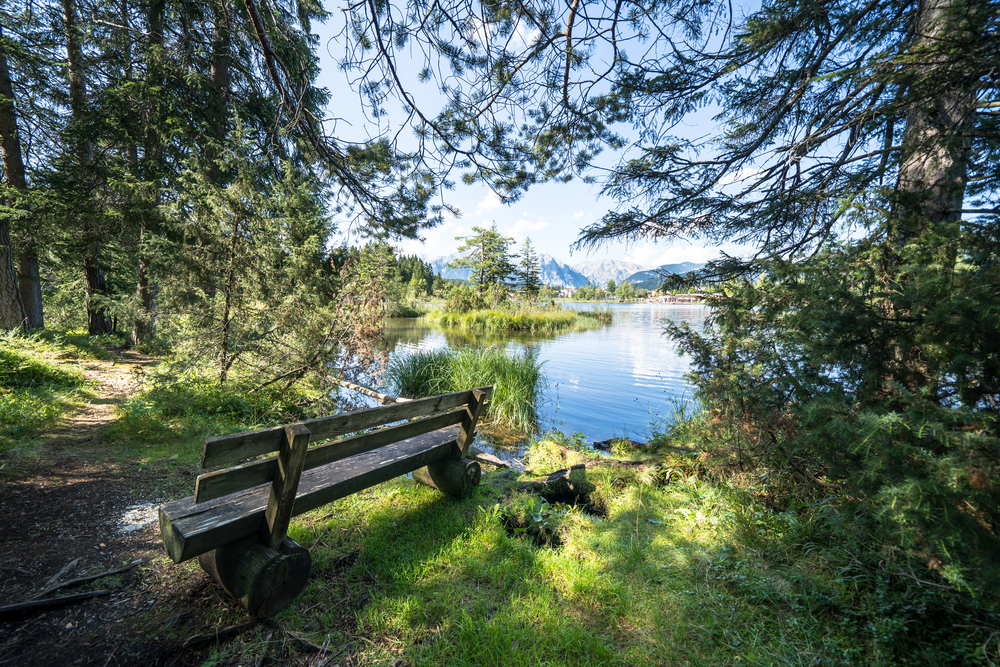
[382, 398]
[82, 580]
[485, 457]
[305, 644]
[66, 568]
[14, 610]
[226, 633]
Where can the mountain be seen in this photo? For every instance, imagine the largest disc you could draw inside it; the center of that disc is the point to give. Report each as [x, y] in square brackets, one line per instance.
[651, 278]
[440, 265]
[553, 271]
[599, 273]
[558, 273]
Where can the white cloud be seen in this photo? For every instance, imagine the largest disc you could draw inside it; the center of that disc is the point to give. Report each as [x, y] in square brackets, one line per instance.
[490, 201]
[578, 214]
[523, 228]
[437, 242]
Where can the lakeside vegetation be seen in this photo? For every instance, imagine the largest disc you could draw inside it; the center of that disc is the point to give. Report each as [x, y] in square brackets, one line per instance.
[517, 380]
[523, 317]
[172, 182]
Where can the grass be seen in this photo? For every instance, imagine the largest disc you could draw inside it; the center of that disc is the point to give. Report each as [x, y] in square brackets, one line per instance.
[35, 390]
[516, 379]
[683, 569]
[521, 317]
[171, 417]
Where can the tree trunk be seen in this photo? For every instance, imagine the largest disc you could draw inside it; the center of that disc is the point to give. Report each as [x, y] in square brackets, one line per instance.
[144, 325]
[226, 359]
[930, 190]
[22, 304]
[98, 318]
[933, 172]
[219, 78]
[11, 309]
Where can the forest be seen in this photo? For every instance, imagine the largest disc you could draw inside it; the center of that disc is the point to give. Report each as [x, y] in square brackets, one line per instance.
[172, 180]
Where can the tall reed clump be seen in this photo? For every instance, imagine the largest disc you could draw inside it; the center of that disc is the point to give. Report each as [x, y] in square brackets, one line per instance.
[517, 380]
[603, 314]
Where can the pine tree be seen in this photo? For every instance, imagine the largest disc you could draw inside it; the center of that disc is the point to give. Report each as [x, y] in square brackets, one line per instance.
[529, 271]
[488, 258]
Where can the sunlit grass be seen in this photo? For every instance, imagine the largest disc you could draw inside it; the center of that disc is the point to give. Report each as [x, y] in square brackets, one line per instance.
[36, 391]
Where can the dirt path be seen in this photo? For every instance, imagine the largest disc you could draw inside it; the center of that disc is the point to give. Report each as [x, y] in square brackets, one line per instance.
[70, 507]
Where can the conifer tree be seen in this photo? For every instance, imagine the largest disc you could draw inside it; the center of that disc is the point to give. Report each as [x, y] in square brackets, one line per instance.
[488, 258]
[529, 271]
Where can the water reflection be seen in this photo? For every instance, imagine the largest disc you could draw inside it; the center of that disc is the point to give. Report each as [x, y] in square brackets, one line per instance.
[603, 382]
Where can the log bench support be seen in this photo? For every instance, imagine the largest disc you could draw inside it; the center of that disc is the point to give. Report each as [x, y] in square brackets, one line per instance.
[237, 522]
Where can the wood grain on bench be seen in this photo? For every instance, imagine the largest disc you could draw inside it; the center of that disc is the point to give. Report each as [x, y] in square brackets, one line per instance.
[239, 446]
[190, 529]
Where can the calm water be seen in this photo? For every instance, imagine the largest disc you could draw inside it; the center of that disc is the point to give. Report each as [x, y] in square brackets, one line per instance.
[612, 381]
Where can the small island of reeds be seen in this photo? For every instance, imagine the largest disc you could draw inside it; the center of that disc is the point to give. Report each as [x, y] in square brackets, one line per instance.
[523, 317]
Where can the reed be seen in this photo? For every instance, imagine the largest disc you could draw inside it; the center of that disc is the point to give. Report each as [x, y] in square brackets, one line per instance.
[518, 317]
[517, 380]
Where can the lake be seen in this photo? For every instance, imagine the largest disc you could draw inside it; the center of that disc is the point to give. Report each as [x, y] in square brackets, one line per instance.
[613, 381]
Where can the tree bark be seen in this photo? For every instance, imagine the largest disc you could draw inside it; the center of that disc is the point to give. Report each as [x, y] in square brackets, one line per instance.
[144, 325]
[20, 295]
[11, 309]
[936, 148]
[930, 190]
[98, 318]
[219, 79]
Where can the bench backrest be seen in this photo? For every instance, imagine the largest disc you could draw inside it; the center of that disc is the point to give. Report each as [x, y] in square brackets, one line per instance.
[462, 407]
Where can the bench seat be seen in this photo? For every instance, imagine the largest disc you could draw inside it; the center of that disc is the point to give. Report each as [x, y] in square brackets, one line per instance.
[190, 529]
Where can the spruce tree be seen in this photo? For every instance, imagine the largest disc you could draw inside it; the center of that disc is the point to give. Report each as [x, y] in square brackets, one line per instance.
[529, 271]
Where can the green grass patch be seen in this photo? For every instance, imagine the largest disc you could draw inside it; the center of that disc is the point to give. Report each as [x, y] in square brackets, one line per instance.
[520, 317]
[171, 417]
[517, 380]
[35, 390]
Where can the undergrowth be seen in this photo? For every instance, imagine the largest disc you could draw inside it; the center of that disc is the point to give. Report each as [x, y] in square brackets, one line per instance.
[35, 390]
[174, 413]
[697, 567]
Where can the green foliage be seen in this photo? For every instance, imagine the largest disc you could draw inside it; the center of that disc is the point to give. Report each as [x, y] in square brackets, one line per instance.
[176, 411]
[827, 372]
[625, 291]
[528, 272]
[463, 298]
[35, 392]
[488, 259]
[517, 380]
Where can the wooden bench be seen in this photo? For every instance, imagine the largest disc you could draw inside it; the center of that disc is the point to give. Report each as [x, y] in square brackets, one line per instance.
[236, 521]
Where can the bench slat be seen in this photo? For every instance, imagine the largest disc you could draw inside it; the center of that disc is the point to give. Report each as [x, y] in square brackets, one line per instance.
[239, 446]
[214, 485]
[189, 529]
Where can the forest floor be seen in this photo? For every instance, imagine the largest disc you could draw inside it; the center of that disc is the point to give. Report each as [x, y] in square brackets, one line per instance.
[70, 507]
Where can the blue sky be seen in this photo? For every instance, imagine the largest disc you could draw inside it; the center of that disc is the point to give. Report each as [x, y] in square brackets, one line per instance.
[551, 214]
